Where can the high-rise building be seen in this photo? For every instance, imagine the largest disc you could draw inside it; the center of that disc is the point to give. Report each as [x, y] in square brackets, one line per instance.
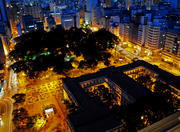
[107, 3]
[19, 30]
[145, 2]
[175, 3]
[142, 34]
[177, 46]
[49, 23]
[4, 21]
[4, 16]
[124, 29]
[128, 3]
[152, 36]
[5, 33]
[90, 4]
[178, 4]
[28, 23]
[172, 42]
[14, 13]
[156, 2]
[96, 15]
[70, 19]
[57, 18]
[2, 57]
[33, 10]
[133, 34]
[114, 25]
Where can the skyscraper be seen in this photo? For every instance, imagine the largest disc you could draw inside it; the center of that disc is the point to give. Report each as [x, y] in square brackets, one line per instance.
[178, 4]
[145, 2]
[1, 53]
[89, 7]
[128, 3]
[4, 29]
[4, 22]
[108, 3]
[152, 36]
[155, 2]
[3, 11]
[175, 3]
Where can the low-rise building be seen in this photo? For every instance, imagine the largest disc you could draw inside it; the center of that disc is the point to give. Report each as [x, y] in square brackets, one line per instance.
[93, 114]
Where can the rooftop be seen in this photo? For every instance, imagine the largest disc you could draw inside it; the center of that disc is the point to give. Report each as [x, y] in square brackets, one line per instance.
[93, 114]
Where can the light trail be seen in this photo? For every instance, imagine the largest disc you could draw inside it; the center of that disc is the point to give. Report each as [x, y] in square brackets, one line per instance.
[5, 48]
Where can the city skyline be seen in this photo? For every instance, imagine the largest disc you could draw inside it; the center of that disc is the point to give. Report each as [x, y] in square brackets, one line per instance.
[89, 65]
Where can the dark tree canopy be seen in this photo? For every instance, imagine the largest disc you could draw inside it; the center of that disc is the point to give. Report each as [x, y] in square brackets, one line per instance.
[19, 98]
[145, 80]
[149, 109]
[105, 94]
[21, 119]
[37, 51]
[1, 66]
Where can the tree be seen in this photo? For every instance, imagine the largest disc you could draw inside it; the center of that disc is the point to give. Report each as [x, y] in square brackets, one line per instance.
[105, 95]
[19, 98]
[143, 112]
[21, 112]
[21, 118]
[166, 91]
[1, 66]
[145, 80]
[37, 51]
[105, 39]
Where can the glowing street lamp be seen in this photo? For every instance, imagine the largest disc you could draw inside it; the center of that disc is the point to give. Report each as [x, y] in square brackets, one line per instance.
[94, 29]
[142, 117]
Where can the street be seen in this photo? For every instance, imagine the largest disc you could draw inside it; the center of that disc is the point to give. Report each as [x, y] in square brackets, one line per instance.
[6, 108]
[150, 59]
